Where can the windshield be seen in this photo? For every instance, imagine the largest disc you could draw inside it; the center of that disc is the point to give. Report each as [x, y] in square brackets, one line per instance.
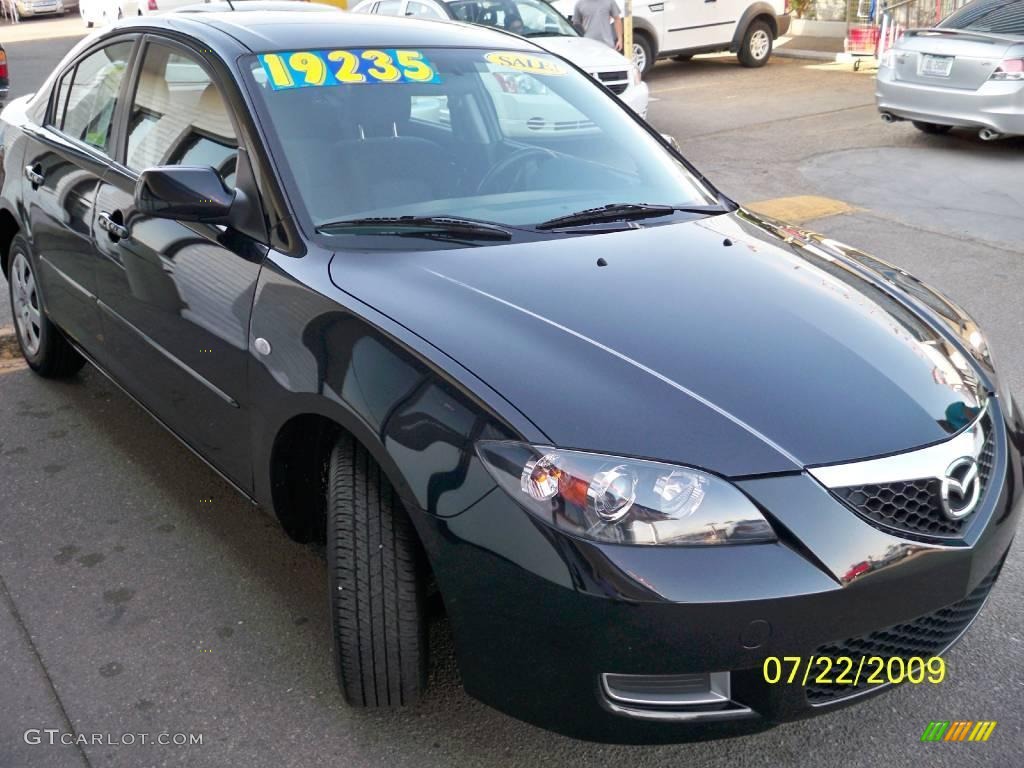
[999, 17]
[495, 136]
[529, 18]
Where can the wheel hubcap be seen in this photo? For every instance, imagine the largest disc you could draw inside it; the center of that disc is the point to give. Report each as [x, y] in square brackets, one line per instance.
[759, 44]
[25, 299]
[639, 56]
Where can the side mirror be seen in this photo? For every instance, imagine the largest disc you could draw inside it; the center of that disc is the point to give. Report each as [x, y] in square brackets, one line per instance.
[184, 193]
[671, 140]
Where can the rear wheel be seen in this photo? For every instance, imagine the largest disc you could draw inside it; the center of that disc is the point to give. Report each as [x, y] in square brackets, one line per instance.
[46, 350]
[375, 573]
[643, 52]
[756, 47]
[932, 128]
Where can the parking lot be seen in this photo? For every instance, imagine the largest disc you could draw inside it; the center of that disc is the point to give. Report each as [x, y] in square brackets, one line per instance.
[140, 594]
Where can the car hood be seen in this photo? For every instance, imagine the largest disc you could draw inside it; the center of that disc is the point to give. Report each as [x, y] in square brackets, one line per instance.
[721, 343]
[589, 55]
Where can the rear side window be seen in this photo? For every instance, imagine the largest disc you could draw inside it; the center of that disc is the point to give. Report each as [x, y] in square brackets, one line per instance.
[388, 7]
[422, 10]
[87, 95]
[179, 117]
[999, 17]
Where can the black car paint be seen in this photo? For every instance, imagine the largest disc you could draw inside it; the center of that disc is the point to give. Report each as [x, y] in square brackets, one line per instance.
[378, 345]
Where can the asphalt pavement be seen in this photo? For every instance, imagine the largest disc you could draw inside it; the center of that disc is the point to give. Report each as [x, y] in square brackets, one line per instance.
[139, 594]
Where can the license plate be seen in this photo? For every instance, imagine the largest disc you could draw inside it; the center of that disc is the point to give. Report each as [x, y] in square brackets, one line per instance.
[936, 66]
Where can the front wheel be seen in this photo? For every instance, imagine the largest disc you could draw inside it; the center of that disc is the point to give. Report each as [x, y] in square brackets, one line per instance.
[643, 53]
[757, 45]
[375, 568]
[45, 349]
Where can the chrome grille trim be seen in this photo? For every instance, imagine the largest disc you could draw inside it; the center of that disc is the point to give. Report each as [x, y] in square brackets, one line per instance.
[930, 462]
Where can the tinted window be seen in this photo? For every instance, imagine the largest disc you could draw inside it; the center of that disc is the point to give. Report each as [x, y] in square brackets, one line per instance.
[63, 87]
[178, 116]
[423, 10]
[996, 16]
[92, 96]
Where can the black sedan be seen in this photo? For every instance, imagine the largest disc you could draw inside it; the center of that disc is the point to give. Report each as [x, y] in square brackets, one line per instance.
[428, 294]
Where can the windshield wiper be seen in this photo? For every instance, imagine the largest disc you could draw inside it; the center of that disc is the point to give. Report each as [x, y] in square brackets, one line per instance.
[419, 226]
[623, 212]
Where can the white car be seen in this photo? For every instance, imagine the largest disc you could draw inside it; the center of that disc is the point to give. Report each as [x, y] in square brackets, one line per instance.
[539, 21]
[681, 29]
[106, 12]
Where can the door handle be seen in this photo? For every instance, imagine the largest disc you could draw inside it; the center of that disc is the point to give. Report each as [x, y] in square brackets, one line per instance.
[117, 231]
[34, 173]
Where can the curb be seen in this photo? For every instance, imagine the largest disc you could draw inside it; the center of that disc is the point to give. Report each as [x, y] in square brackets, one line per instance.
[798, 53]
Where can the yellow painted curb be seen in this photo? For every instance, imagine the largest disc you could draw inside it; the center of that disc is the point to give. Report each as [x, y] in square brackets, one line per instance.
[800, 209]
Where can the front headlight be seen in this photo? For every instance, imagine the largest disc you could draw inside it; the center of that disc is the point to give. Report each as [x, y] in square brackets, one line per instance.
[625, 501]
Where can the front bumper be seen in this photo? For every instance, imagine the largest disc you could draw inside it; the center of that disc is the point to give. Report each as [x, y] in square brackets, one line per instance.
[636, 98]
[39, 8]
[997, 105]
[538, 617]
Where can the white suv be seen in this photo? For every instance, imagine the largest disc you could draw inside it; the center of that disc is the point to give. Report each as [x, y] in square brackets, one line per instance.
[683, 28]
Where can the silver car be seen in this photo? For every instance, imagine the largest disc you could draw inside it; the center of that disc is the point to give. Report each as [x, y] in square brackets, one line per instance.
[968, 72]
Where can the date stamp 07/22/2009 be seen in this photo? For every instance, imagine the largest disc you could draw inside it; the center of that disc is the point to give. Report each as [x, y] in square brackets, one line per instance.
[851, 670]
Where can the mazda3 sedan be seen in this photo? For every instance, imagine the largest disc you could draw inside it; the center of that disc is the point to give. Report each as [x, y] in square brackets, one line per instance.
[636, 439]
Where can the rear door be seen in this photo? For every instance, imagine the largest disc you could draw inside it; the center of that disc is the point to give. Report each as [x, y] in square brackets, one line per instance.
[699, 23]
[175, 297]
[63, 163]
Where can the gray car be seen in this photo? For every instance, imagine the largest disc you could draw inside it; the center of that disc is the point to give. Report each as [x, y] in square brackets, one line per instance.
[968, 72]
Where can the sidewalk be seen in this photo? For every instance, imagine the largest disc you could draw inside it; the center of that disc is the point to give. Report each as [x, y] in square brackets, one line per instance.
[813, 48]
[43, 28]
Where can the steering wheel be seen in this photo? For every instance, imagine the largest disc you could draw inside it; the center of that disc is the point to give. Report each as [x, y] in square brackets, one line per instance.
[517, 158]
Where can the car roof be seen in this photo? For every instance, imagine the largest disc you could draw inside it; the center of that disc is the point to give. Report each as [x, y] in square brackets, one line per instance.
[219, 6]
[284, 30]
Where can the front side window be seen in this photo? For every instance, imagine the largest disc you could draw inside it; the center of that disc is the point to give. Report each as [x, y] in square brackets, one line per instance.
[178, 116]
[389, 7]
[512, 138]
[528, 18]
[86, 110]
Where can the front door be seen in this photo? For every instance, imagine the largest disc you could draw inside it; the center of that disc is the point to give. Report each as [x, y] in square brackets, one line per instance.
[174, 297]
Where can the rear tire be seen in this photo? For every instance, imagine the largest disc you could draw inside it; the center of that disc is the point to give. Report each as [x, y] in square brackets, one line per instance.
[756, 48]
[933, 128]
[375, 571]
[643, 52]
[43, 345]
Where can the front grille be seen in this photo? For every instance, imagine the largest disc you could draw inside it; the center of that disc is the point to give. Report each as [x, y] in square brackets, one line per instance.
[914, 506]
[925, 636]
[618, 87]
[608, 77]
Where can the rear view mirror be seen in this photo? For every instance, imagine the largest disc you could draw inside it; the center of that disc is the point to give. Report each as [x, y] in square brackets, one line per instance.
[183, 193]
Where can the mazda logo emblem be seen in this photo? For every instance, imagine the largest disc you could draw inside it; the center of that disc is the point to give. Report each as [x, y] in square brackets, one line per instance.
[961, 488]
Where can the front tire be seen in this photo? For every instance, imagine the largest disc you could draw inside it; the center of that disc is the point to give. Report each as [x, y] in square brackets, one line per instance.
[932, 128]
[756, 47]
[375, 571]
[44, 347]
